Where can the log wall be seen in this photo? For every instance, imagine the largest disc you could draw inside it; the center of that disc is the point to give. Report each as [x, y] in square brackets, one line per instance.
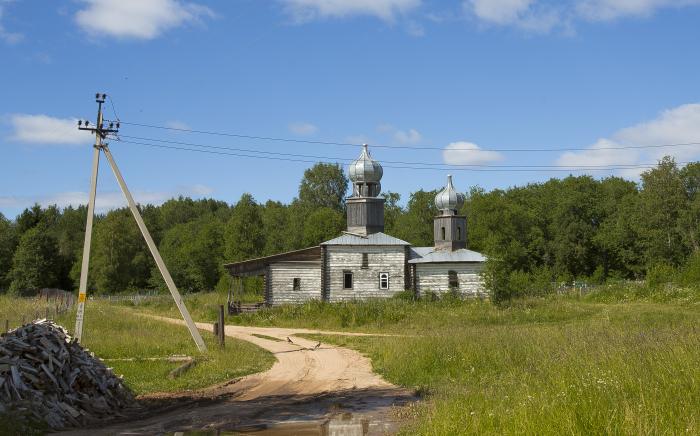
[282, 275]
[434, 277]
[389, 259]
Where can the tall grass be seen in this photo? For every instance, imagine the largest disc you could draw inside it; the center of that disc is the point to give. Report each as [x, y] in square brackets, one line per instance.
[627, 369]
[116, 333]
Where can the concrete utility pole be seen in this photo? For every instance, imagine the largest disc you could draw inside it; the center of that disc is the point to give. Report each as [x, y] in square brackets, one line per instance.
[100, 134]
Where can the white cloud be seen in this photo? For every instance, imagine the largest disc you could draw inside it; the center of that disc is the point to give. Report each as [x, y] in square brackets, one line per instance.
[528, 15]
[308, 10]
[680, 125]
[303, 129]
[105, 201]
[174, 124]
[468, 153]
[543, 16]
[5, 35]
[137, 19]
[599, 10]
[43, 129]
[499, 11]
[410, 136]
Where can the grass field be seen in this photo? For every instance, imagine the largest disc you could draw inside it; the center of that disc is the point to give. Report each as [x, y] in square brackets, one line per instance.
[617, 361]
[622, 360]
[116, 333]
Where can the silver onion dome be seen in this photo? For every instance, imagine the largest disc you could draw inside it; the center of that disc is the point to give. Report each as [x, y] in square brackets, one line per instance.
[449, 199]
[365, 169]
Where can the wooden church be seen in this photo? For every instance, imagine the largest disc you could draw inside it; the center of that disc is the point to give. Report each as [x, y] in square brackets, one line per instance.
[364, 262]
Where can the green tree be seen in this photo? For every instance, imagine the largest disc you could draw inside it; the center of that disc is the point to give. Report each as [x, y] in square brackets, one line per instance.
[8, 243]
[244, 234]
[416, 224]
[193, 252]
[324, 185]
[392, 211]
[321, 225]
[35, 264]
[275, 217]
[662, 202]
[120, 260]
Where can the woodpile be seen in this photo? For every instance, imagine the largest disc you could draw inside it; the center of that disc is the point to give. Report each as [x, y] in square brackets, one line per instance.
[46, 376]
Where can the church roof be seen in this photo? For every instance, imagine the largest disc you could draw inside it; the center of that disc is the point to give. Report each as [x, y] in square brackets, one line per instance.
[431, 255]
[372, 239]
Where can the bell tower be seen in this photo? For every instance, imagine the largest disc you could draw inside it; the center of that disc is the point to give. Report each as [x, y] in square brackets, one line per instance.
[450, 228]
[365, 208]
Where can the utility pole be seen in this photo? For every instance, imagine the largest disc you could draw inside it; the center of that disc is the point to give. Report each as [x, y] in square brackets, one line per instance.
[100, 146]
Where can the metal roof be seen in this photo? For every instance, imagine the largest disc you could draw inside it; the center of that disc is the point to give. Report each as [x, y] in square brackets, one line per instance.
[372, 239]
[430, 255]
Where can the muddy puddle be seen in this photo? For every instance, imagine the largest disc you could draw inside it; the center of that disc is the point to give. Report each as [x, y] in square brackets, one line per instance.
[342, 424]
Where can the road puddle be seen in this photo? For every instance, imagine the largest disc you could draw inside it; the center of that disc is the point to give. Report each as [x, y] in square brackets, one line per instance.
[341, 424]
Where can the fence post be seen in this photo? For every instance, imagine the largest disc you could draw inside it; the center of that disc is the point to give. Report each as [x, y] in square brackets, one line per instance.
[222, 326]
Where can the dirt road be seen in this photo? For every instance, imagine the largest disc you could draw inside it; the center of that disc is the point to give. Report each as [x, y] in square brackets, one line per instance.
[308, 388]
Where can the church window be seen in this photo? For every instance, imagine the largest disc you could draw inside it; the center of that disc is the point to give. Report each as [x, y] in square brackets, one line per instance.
[365, 260]
[453, 280]
[296, 284]
[347, 279]
[384, 280]
[443, 233]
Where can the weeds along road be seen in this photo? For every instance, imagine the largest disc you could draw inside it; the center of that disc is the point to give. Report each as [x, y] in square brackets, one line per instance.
[306, 383]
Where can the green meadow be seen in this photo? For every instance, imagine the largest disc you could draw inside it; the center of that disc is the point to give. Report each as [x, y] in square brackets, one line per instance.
[620, 360]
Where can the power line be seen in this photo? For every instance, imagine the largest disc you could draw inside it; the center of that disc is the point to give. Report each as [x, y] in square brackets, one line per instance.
[332, 158]
[404, 147]
[446, 168]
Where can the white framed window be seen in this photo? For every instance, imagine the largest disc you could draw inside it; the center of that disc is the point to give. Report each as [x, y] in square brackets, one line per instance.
[383, 280]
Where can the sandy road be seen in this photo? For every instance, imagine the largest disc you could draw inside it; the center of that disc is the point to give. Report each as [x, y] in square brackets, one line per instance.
[305, 383]
[301, 369]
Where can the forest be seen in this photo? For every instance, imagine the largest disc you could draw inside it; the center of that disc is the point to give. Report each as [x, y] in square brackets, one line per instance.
[577, 228]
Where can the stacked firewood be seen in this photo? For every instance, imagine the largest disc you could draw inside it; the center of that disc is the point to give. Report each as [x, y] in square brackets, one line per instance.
[46, 376]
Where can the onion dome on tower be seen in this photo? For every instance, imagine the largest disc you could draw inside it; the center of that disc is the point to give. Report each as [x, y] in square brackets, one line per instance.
[365, 208]
[449, 201]
[365, 174]
[450, 228]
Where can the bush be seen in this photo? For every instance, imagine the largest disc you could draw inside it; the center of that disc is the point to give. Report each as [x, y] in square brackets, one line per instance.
[690, 273]
[660, 274]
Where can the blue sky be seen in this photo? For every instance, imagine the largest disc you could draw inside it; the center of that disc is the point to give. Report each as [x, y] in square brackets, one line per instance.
[474, 74]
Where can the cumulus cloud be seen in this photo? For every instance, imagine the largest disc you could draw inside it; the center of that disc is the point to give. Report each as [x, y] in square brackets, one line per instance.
[544, 16]
[528, 15]
[410, 136]
[105, 201]
[680, 125]
[598, 10]
[137, 19]
[468, 153]
[302, 128]
[43, 129]
[308, 10]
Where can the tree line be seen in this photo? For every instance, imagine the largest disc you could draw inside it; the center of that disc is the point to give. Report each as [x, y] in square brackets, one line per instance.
[574, 228]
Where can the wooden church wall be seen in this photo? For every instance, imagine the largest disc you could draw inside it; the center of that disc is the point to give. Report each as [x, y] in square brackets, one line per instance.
[389, 259]
[282, 275]
[434, 277]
